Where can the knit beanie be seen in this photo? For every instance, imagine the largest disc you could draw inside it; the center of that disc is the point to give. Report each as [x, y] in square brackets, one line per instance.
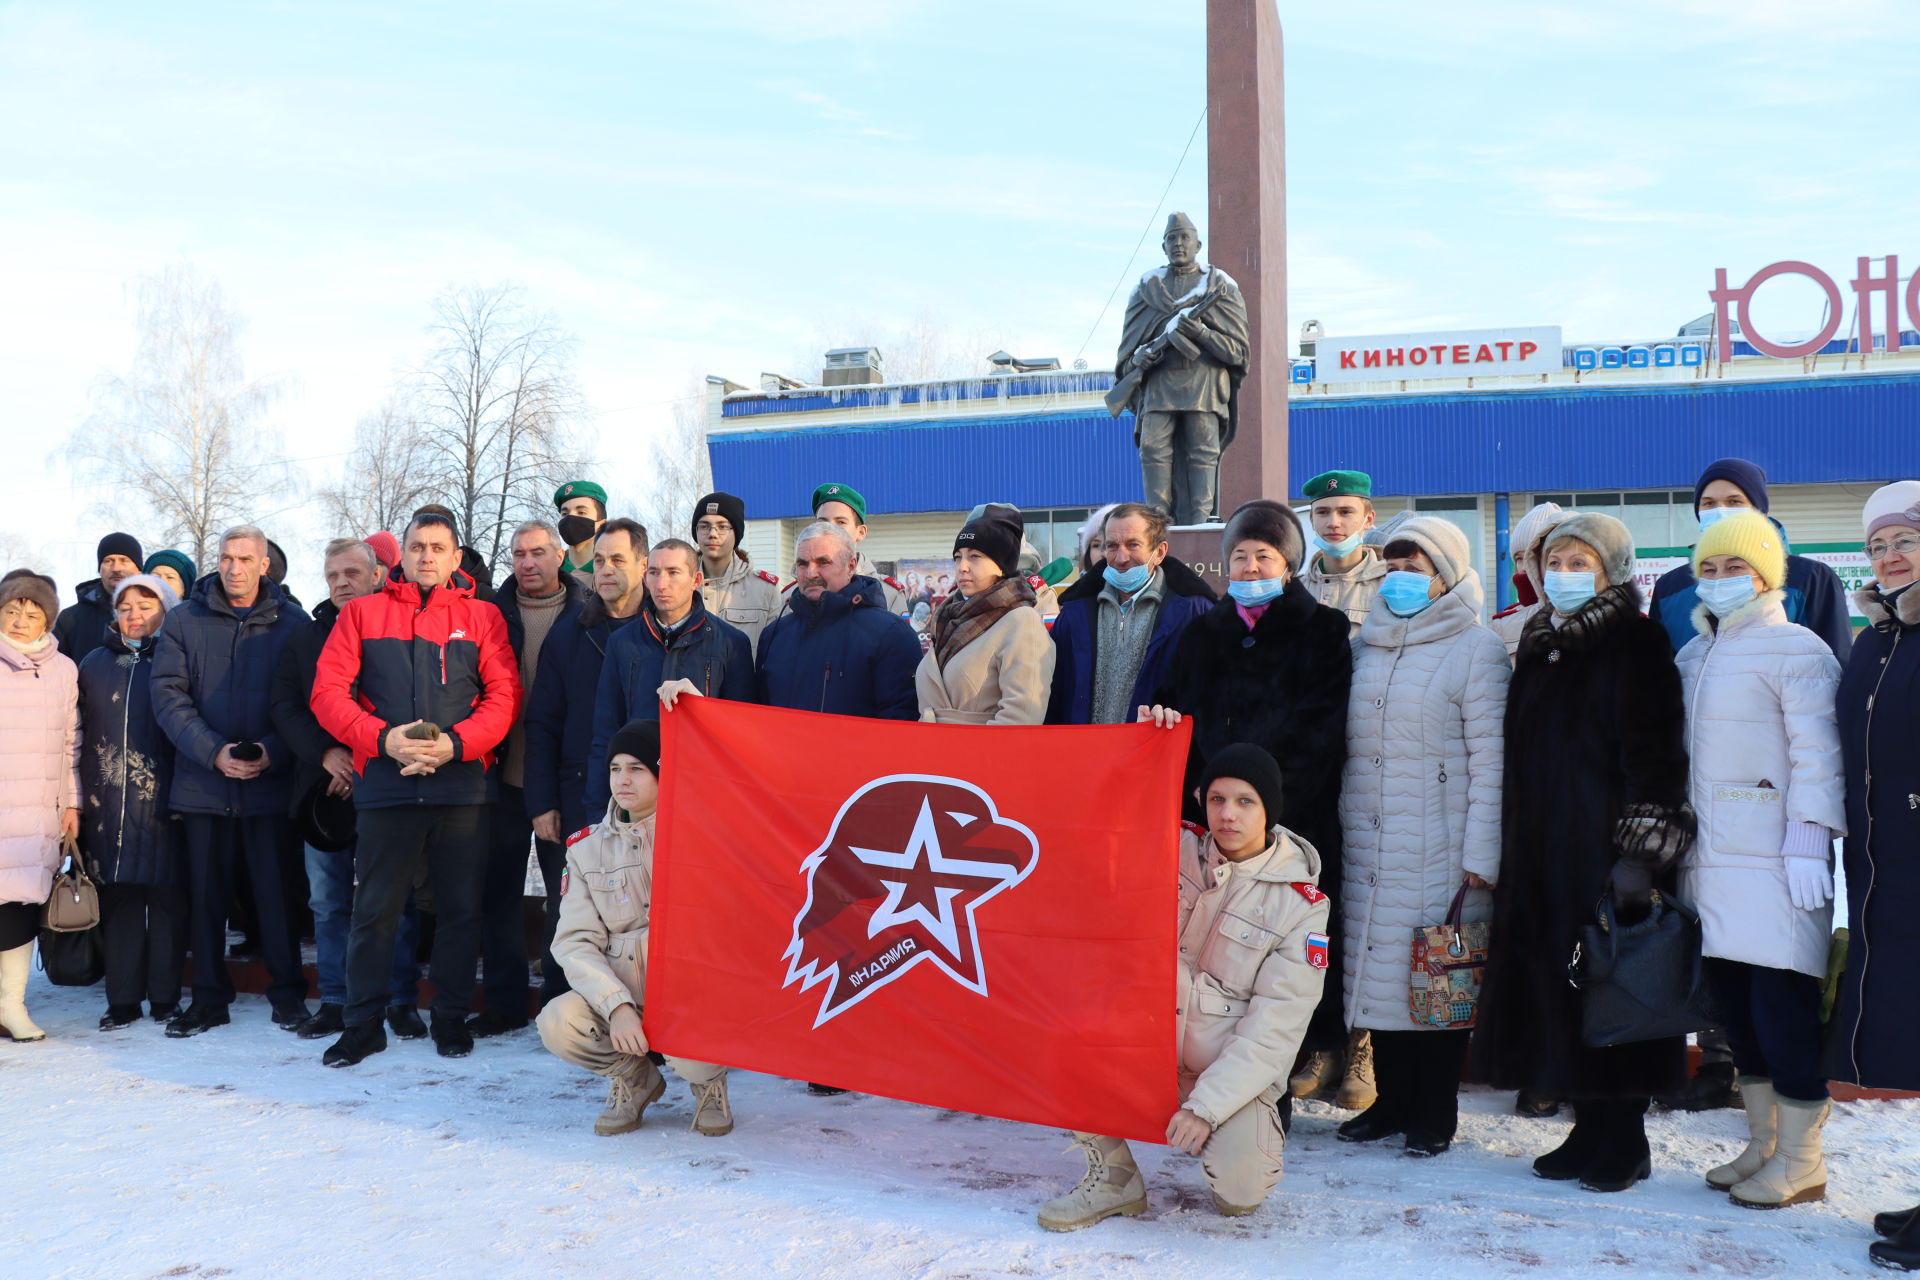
[1095, 523]
[119, 544]
[727, 507]
[1534, 525]
[1273, 523]
[997, 532]
[1444, 544]
[25, 584]
[1752, 537]
[1606, 535]
[1743, 475]
[1252, 765]
[1891, 504]
[641, 740]
[161, 591]
[386, 548]
[174, 560]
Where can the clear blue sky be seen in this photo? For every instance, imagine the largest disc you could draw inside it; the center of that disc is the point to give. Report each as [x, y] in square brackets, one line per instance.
[726, 187]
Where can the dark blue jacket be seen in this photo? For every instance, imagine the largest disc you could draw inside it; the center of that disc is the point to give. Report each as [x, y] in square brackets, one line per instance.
[212, 685]
[560, 715]
[1815, 599]
[80, 626]
[126, 766]
[507, 601]
[1076, 640]
[1873, 1038]
[706, 649]
[843, 654]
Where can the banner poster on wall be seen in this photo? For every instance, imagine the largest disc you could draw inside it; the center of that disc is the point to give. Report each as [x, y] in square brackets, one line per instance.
[927, 582]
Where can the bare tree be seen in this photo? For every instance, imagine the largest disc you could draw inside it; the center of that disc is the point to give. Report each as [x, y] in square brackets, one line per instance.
[182, 432]
[677, 472]
[386, 477]
[495, 405]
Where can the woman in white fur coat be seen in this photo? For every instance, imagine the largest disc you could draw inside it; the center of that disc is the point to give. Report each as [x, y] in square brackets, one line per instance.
[1767, 788]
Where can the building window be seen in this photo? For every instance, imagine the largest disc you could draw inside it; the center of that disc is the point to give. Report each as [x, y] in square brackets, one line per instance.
[1462, 511]
[1655, 517]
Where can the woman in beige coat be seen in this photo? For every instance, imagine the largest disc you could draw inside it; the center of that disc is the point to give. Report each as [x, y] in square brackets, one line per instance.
[991, 660]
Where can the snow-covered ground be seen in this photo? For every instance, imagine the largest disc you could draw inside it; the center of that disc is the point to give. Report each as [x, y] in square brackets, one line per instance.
[236, 1154]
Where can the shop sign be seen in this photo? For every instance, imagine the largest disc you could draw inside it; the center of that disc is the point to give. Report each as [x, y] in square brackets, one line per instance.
[1736, 304]
[1463, 353]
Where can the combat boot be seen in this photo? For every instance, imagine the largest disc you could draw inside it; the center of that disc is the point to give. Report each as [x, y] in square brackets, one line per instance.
[1357, 1088]
[629, 1093]
[712, 1113]
[1112, 1186]
[1318, 1076]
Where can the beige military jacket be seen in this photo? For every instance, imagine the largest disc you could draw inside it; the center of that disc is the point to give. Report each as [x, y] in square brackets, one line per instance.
[1253, 957]
[1351, 592]
[744, 596]
[601, 940]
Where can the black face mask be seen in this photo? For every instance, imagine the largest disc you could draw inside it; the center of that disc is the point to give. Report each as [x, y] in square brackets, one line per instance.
[575, 530]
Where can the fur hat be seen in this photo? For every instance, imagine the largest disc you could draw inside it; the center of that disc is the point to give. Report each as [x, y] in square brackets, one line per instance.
[1752, 537]
[146, 581]
[25, 584]
[1273, 523]
[1444, 544]
[1252, 765]
[1891, 504]
[1606, 535]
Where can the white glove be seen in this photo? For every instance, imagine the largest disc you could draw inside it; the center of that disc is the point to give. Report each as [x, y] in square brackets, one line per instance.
[1809, 883]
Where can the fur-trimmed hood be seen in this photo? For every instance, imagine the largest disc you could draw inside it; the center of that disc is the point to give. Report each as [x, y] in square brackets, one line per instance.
[1904, 612]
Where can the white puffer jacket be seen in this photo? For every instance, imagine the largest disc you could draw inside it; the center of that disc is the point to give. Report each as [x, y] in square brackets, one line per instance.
[1420, 797]
[1764, 751]
[39, 759]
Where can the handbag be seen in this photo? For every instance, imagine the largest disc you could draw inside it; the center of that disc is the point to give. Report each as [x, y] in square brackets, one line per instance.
[74, 903]
[76, 958]
[1642, 981]
[1449, 967]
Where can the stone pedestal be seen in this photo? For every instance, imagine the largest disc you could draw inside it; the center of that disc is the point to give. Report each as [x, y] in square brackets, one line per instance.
[1198, 546]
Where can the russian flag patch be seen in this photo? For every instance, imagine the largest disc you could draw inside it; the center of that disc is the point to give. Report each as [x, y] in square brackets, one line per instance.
[1317, 944]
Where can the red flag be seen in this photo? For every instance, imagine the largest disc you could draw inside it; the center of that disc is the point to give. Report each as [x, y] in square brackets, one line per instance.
[980, 919]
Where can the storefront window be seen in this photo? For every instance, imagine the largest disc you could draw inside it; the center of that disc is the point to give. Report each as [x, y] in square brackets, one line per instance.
[1656, 518]
[1463, 512]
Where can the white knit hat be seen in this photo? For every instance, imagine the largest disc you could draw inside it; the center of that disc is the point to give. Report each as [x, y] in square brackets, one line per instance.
[1533, 526]
[147, 582]
[1890, 504]
[1443, 542]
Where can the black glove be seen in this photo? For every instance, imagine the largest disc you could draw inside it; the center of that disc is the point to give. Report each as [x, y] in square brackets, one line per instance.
[1632, 887]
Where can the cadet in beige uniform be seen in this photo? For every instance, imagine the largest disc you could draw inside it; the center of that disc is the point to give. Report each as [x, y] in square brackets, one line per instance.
[1253, 957]
[602, 945]
[1342, 573]
[734, 589]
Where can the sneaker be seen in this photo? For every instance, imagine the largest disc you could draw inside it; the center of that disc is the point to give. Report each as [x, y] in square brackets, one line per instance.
[118, 1016]
[328, 1020]
[482, 1025]
[197, 1017]
[450, 1037]
[355, 1046]
[405, 1021]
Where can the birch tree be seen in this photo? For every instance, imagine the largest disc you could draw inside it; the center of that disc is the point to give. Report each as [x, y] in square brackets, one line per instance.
[387, 476]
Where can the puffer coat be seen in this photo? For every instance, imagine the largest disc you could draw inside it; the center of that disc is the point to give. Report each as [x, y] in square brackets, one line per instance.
[39, 752]
[126, 764]
[1765, 751]
[1420, 797]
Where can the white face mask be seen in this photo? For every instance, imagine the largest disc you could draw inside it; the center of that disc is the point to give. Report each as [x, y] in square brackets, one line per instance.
[1724, 595]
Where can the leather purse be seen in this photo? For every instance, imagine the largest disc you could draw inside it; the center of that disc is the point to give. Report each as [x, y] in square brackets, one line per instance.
[1641, 981]
[1449, 967]
[74, 904]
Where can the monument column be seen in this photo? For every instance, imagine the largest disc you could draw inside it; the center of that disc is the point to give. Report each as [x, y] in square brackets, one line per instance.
[1247, 231]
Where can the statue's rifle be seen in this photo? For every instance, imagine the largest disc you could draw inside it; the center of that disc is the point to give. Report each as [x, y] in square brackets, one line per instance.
[1122, 393]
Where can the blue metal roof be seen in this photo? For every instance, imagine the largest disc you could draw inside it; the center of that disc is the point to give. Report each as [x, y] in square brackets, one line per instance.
[993, 387]
[1809, 430]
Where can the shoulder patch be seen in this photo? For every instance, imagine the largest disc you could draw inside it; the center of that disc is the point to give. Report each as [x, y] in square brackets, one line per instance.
[1317, 947]
[1035, 581]
[1194, 827]
[1311, 892]
[584, 832]
[566, 880]
[764, 576]
[1509, 611]
[895, 585]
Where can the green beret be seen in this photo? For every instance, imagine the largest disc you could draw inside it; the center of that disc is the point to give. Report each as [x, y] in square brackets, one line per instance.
[841, 493]
[579, 489]
[1339, 484]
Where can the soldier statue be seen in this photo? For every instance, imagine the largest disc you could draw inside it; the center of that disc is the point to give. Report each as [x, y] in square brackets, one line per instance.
[1183, 352]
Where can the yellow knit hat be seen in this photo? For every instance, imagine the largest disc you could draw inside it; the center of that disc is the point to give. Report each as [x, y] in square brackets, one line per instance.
[1752, 537]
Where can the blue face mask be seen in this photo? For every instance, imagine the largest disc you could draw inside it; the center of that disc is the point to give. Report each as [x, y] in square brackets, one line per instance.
[1342, 549]
[1128, 581]
[1723, 595]
[1258, 592]
[1566, 592]
[1405, 592]
[1713, 515]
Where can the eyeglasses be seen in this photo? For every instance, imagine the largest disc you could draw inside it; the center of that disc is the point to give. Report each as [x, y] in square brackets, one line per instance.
[1904, 545]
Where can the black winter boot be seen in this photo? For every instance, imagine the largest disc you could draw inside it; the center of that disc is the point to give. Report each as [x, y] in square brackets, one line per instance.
[451, 1039]
[1568, 1160]
[1623, 1156]
[1536, 1104]
[1893, 1221]
[1900, 1252]
[355, 1045]
[1710, 1089]
[328, 1020]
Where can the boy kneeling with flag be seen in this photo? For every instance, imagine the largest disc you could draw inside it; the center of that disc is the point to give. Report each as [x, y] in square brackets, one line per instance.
[1253, 956]
[601, 942]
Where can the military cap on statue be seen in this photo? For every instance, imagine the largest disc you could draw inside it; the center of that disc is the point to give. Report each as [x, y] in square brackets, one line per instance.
[1179, 222]
[579, 489]
[841, 493]
[1338, 484]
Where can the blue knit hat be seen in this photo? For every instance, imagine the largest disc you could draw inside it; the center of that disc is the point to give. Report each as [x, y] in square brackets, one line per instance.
[1745, 476]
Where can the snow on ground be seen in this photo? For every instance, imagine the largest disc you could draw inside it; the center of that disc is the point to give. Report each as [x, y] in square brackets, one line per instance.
[236, 1154]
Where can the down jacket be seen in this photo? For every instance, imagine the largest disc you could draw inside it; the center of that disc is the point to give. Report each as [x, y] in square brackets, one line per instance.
[601, 940]
[1003, 676]
[842, 654]
[212, 685]
[1420, 798]
[1765, 751]
[126, 764]
[1253, 956]
[395, 657]
[39, 752]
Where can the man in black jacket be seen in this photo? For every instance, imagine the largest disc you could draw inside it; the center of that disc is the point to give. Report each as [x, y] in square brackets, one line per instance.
[322, 790]
[82, 626]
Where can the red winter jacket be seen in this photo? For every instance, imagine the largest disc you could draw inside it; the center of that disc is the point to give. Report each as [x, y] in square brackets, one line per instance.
[391, 660]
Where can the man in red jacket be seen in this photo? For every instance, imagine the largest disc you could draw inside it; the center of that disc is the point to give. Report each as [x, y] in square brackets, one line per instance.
[418, 681]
